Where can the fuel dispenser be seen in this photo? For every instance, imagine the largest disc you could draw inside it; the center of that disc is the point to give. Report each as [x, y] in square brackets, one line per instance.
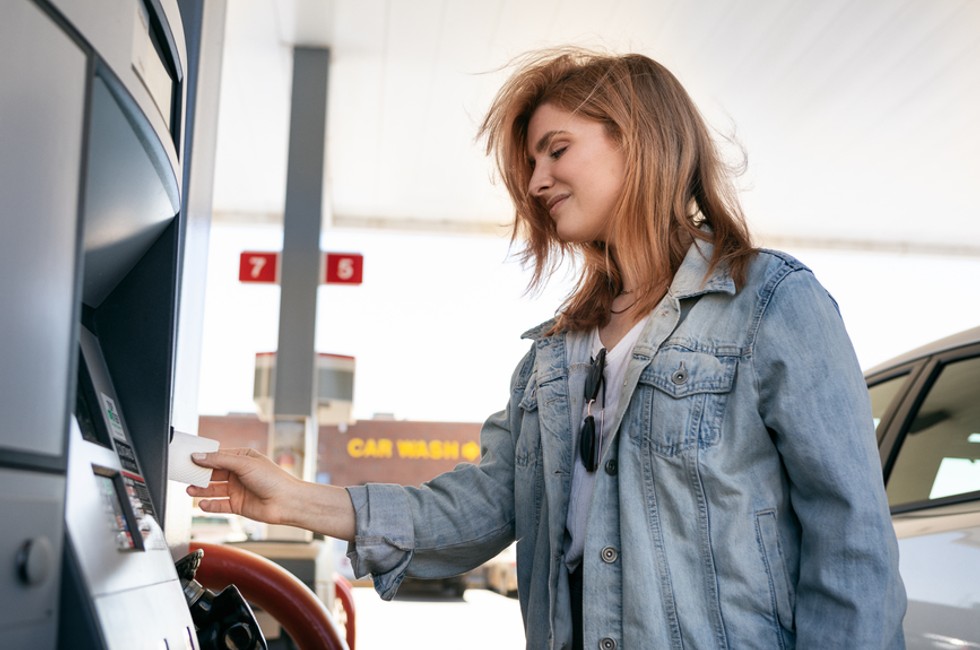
[120, 572]
[93, 119]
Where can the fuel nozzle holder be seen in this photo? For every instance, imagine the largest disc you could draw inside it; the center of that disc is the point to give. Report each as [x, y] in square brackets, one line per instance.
[224, 620]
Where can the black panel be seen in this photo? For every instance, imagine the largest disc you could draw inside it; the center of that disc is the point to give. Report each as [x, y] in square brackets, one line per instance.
[135, 325]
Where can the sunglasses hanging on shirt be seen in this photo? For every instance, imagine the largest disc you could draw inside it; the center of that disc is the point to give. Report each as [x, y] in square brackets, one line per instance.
[590, 440]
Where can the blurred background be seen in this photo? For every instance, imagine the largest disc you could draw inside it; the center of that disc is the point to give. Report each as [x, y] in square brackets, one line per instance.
[857, 118]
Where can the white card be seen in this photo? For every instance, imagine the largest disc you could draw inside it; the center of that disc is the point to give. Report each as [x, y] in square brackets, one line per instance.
[182, 468]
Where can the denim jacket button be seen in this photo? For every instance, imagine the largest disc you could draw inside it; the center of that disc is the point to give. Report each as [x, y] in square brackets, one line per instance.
[679, 376]
[611, 467]
[609, 555]
[607, 644]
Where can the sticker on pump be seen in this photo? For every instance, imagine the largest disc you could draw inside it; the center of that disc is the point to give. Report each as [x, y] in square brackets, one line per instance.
[112, 417]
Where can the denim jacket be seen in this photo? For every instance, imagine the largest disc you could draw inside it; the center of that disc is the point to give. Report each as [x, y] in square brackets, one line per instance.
[740, 504]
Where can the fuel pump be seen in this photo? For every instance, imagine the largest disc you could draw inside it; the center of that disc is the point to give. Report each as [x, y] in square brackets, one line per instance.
[95, 114]
[94, 245]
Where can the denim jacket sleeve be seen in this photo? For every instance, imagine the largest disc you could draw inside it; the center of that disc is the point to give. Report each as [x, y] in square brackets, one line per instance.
[448, 525]
[815, 403]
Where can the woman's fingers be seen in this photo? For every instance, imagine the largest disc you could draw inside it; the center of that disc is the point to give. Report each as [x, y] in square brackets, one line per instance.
[214, 490]
[216, 505]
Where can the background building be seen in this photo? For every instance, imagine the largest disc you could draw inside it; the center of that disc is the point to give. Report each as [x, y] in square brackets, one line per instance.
[379, 450]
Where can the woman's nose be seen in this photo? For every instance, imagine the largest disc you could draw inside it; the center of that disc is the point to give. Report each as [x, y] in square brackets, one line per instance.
[540, 181]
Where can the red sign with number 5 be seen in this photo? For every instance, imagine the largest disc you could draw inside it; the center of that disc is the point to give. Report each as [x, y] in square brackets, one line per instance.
[343, 268]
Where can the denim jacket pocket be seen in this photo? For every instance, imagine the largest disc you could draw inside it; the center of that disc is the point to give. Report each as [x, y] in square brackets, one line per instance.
[682, 395]
[770, 550]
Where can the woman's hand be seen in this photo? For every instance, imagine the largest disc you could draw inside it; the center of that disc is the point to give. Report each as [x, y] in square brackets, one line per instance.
[244, 482]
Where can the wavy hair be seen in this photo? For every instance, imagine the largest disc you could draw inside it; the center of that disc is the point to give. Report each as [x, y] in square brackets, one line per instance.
[675, 177]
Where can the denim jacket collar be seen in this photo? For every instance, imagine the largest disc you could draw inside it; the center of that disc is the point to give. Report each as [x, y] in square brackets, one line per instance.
[691, 280]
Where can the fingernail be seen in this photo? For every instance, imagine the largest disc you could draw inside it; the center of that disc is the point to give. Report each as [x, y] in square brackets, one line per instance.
[198, 455]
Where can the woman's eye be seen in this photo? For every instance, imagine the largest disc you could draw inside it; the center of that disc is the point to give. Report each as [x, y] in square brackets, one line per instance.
[556, 154]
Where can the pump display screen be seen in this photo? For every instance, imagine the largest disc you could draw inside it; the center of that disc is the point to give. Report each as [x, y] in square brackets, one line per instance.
[119, 520]
[93, 430]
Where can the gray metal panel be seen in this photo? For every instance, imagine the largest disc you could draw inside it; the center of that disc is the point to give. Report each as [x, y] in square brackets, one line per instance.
[30, 542]
[300, 276]
[42, 107]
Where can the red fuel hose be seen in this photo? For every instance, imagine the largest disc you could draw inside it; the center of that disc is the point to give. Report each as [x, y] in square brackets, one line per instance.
[345, 594]
[274, 589]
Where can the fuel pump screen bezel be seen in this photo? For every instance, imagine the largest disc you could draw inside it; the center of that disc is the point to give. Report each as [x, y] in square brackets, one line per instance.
[93, 428]
[119, 513]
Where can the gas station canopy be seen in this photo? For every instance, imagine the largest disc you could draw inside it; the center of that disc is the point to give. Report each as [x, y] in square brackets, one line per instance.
[857, 116]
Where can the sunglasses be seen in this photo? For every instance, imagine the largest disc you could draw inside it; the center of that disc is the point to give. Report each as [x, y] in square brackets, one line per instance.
[589, 439]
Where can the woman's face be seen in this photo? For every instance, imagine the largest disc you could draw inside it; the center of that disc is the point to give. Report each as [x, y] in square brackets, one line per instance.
[577, 172]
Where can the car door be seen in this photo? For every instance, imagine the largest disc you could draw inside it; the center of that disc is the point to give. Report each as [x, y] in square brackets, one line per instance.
[927, 415]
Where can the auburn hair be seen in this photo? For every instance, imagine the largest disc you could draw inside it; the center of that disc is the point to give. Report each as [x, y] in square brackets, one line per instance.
[675, 177]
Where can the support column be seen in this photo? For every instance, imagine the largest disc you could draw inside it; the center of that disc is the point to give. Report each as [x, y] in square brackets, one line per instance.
[293, 429]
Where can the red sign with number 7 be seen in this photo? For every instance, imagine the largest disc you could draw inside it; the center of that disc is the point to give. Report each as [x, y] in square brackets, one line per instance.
[258, 267]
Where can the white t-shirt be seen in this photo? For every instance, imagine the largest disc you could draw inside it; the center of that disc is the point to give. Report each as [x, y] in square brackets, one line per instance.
[583, 482]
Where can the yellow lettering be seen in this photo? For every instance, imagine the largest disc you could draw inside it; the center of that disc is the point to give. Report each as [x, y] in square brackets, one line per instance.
[471, 451]
[406, 448]
[450, 449]
[370, 448]
[355, 447]
[428, 449]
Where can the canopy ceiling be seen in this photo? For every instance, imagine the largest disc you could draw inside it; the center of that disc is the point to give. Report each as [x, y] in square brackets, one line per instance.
[858, 116]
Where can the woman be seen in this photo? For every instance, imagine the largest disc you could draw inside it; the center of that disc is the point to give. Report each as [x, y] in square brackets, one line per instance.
[687, 458]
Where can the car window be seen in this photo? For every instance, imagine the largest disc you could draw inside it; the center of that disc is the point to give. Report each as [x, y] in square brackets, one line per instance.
[883, 394]
[940, 453]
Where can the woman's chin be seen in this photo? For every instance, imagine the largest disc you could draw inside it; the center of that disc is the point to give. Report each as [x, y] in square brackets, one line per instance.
[577, 236]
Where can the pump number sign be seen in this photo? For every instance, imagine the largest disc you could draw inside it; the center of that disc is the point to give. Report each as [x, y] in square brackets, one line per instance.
[258, 267]
[343, 268]
[337, 268]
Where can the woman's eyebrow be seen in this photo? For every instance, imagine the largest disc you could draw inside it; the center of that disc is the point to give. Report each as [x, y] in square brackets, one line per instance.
[545, 139]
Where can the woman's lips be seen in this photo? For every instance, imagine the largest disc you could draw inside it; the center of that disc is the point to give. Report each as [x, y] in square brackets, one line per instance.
[555, 202]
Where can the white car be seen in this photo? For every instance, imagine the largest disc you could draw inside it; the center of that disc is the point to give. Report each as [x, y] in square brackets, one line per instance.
[501, 572]
[216, 528]
[926, 406]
